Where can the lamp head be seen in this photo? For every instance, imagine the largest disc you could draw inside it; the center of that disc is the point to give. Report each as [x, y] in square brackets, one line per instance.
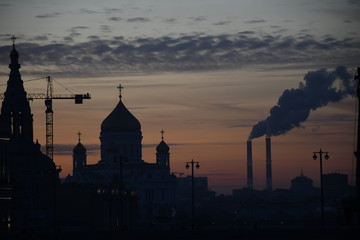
[187, 166]
[326, 156]
[314, 156]
[197, 165]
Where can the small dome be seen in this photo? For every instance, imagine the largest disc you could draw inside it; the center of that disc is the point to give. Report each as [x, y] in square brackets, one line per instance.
[120, 120]
[162, 147]
[79, 149]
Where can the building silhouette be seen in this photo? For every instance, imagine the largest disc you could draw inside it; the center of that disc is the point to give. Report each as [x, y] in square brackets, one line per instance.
[121, 166]
[302, 185]
[28, 177]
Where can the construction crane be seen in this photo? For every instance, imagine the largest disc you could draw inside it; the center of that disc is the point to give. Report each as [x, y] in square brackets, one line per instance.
[49, 96]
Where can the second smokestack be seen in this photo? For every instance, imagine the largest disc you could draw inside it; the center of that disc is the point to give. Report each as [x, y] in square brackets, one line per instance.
[249, 165]
[268, 164]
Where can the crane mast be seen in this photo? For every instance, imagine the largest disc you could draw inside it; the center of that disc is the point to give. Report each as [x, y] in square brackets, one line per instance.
[49, 113]
[357, 153]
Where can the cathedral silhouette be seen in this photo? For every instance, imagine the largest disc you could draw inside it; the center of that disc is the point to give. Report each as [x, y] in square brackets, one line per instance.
[122, 169]
[120, 191]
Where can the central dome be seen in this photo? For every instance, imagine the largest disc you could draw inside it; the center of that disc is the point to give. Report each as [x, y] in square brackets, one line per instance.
[120, 120]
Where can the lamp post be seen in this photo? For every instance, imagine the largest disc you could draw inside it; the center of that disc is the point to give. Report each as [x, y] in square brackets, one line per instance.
[193, 190]
[321, 183]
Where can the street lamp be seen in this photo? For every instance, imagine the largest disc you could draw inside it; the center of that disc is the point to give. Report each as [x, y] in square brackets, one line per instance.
[321, 183]
[193, 190]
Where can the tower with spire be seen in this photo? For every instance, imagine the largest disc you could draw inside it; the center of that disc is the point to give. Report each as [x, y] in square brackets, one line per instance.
[30, 173]
[79, 155]
[162, 153]
[16, 120]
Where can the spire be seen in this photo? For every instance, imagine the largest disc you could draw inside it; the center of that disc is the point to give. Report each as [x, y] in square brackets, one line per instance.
[16, 120]
[14, 56]
[13, 38]
[120, 88]
[162, 134]
[79, 134]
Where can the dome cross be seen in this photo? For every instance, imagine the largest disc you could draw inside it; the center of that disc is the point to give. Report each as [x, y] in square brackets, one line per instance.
[79, 134]
[120, 88]
[13, 38]
[162, 134]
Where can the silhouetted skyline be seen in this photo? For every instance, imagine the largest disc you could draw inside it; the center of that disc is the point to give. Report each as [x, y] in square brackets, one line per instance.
[205, 73]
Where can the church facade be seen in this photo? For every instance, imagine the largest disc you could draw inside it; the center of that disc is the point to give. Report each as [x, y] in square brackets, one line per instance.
[122, 169]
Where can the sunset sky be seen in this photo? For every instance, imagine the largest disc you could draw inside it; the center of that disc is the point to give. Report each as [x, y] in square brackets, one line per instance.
[205, 71]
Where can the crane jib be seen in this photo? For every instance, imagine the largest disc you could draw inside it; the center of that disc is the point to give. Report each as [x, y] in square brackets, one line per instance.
[78, 97]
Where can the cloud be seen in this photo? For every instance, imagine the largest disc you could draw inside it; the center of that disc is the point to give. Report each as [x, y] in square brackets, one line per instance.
[67, 149]
[115, 19]
[68, 39]
[246, 32]
[221, 23]
[40, 38]
[170, 20]
[113, 10]
[48, 15]
[93, 38]
[105, 29]
[78, 28]
[198, 19]
[354, 2]
[255, 21]
[88, 11]
[193, 52]
[138, 19]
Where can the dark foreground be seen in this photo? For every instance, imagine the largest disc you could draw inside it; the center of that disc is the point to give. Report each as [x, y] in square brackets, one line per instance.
[281, 232]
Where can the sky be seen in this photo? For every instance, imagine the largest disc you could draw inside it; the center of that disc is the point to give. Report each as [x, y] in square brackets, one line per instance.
[210, 73]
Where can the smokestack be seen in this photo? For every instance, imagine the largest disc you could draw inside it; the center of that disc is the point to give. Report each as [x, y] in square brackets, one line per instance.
[249, 165]
[268, 164]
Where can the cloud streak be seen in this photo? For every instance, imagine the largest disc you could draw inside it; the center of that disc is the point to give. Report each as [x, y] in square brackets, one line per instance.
[49, 15]
[196, 52]
[138, 19]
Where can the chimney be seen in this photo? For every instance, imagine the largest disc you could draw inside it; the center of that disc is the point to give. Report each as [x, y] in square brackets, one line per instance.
[249, 165]
[268, 164]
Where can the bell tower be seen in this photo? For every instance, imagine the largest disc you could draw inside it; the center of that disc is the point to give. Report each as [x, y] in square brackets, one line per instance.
[79, 155]
[162, 153]
[16, 120]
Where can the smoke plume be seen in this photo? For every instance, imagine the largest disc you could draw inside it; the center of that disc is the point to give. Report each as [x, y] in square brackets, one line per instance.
[318, 89]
